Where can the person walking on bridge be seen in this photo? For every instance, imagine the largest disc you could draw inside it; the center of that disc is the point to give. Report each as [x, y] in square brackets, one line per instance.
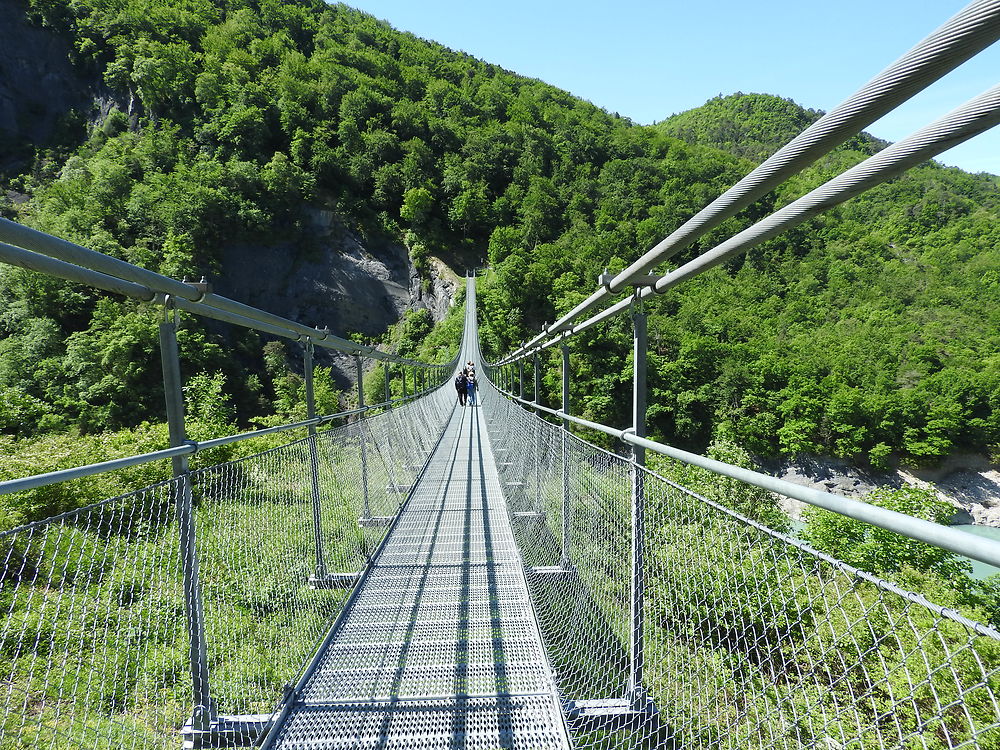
[472, 386]
[461, 385]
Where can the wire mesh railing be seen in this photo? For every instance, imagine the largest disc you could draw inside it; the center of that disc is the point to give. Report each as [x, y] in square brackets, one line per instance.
[94, 643]
[750, 638]
[92, 636]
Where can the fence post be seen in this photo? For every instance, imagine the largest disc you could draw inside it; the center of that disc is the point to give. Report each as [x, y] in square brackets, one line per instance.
[204, 713]
[366, 510]
[520, 379]
[402, 370]
[388, 391]
[637, 592]
[307, 368]
[537, 373]
[565, 561]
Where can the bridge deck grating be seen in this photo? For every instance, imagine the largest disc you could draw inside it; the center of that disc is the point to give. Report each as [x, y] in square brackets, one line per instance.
[439, 647]
[514, 722]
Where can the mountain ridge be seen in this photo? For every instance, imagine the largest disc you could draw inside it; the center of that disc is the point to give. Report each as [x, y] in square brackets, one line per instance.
[753, 126]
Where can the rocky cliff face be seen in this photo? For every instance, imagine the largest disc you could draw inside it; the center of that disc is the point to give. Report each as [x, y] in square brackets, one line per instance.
[341, 282]
[969, 482]
[40, 90]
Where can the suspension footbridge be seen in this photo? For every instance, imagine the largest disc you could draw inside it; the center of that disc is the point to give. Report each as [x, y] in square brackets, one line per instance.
[438, 640]
[417, 574]
[442, 576]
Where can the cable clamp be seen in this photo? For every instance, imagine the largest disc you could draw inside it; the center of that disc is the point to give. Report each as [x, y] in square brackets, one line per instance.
[203, 287]
[605, 280]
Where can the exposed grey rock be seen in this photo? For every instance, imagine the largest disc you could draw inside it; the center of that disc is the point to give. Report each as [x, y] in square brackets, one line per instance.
[38, 84]
[341, 282]
[969, 482]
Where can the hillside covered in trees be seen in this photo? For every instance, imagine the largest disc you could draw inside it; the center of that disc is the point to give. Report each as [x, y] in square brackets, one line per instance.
[870, 332]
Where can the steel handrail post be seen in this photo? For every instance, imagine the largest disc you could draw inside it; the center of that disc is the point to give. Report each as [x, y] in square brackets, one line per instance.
[307, 366]
[520, 378]
[402, 370]
[565, 560]
[204, 712]
[537, 373]
[388, 390]
[366, 512]
[638, 580]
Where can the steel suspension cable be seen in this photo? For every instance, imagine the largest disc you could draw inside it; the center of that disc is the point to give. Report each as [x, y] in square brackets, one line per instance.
[970, 31]
[968, 120]
[37, 251]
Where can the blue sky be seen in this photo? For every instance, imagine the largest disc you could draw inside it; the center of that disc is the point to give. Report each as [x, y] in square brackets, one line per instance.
[647, 60]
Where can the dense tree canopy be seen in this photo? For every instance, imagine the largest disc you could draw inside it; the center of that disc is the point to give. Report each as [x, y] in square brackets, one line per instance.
[868, 332]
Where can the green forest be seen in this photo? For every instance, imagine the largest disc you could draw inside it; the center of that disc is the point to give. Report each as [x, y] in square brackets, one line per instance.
[870, 333]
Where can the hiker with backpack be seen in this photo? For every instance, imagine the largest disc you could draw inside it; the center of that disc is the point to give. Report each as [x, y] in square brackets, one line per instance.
[461, 385]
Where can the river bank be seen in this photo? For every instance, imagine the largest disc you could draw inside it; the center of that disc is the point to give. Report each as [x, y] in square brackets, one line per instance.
[969, 482]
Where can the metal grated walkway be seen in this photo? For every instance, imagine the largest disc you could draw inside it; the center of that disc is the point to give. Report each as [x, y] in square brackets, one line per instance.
[438, 647]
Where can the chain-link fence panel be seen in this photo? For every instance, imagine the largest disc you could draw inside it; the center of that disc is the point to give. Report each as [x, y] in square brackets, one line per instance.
[762, 641]
[257, 551]
[280, 546]
[94, 644]
[752, 639]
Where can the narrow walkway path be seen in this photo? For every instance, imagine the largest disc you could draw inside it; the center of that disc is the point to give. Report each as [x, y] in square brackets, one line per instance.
[439, 647]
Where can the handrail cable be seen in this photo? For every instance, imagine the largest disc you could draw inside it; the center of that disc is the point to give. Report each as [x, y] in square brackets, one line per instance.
[189, 448]
[979, 548]
[970, 119]
[35, 250]
[966, 34]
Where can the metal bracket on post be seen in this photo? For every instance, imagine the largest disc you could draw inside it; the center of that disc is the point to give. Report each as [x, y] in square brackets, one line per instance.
[227, 731]
[372, 522]
[606, 278]
[636, 691]
[204, 715]
[610, 715]
[334, 581]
